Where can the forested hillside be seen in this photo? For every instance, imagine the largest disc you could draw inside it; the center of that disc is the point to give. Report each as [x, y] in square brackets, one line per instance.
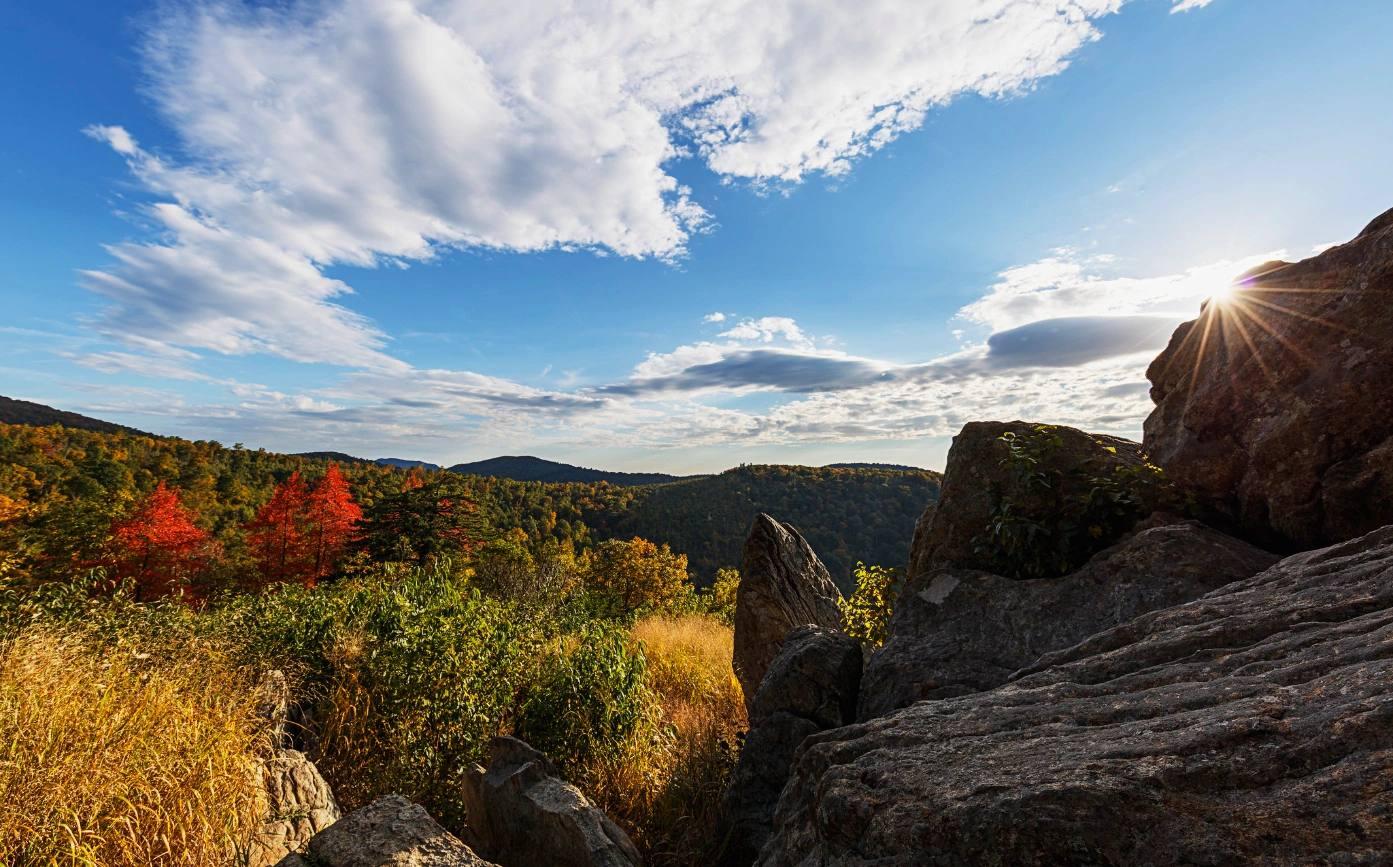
[61, 490]
[526, 468]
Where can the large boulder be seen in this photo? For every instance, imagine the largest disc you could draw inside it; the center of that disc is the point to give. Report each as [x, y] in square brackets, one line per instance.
[521, 813]
[977, 477]
[389, 832]
[810, 687]
[783, 584]
[1274, 404]
[1253, 725]
[962, 631]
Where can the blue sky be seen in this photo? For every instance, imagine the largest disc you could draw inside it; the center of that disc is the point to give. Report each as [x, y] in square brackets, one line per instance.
[656, 236]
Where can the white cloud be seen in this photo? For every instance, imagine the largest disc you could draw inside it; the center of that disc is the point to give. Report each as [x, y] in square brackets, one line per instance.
[1187, 5]
[359, 132]
[767, 329]
[718, 316]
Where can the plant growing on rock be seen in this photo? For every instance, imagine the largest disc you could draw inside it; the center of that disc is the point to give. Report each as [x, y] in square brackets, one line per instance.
[866, 612]
[1048, 520]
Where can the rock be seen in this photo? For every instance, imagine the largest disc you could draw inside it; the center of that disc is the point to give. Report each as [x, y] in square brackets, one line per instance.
[782, 585]
[389, 832]
[811, 686]
[273, 706]
[1253, 725]
[1273, 406]
[975, 477]
[299, 804]
[964, 631]
[521, 813]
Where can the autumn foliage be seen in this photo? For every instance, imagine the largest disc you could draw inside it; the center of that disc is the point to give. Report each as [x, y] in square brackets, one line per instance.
[301, 533]
[158, 547]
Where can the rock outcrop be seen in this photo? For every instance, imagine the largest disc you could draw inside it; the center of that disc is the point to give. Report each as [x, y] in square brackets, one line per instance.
[521, 813]
[389, 832]
[974, 477]
[297, 802]
[1251, 725]
[783, 585]
[961, 631]
[810, 687]
[1274, 405]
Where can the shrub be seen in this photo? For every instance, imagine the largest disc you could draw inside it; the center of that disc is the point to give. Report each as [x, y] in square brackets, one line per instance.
[866, 613]
[636, 575]
[118, 757]
[1049, 521]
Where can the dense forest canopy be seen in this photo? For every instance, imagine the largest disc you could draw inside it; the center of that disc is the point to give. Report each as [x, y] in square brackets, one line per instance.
[61, 489]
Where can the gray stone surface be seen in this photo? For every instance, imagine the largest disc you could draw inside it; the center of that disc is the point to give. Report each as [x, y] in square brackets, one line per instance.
[1253, 725]
[521, 813]
[783, 585]
[962, 631]
[810, 687]
[389, 832]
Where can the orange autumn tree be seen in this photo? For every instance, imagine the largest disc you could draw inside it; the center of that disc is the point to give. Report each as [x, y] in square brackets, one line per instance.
[332, 518]
[158, 548]
[277, 535]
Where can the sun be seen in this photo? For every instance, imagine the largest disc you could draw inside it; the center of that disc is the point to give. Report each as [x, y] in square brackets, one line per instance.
[1224, 294]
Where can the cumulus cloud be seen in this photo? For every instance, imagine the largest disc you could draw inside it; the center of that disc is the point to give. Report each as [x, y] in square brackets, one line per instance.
[322, 132]
[716, 317]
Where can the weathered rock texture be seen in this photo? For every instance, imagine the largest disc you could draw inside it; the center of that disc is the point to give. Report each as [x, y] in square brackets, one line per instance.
[810, 687]
[782, 585]
[298, 805]
[297, 802]
[962, 631]
[520, 813]
[1251, 726]
[974, 476]
[389, 832]
[1276, 407]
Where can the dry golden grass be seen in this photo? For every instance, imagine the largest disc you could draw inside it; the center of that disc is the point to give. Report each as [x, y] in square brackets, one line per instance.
[122, 760]
[666, 784]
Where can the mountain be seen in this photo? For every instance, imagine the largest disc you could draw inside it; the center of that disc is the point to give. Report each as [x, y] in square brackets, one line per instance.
[36, 414]
[339, 457]
[526, 468]
[405, 464]
[903, 468]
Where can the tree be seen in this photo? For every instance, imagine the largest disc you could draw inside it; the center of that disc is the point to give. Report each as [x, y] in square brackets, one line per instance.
[636, 574]
[277, 536]
[720, 596]
[424, 522]
[158, 547]
[332, 518]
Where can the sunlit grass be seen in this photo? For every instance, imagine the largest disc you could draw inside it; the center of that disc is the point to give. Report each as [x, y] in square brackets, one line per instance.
[122, 759]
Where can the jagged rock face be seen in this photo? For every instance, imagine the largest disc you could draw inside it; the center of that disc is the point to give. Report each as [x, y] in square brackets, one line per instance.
[299, 804]
[783, 584]
[1275, 405]
[962, 631]
[974, 476]
[1251, 725]
[521, 813]
[810, 687]
[389, 832]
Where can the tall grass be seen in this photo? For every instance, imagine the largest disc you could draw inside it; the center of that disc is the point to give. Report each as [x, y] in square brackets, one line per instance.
[121, 758]
[665, 783]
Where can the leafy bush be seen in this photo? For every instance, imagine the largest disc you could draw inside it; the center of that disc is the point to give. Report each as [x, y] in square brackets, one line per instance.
[1049, 521]
[866, 613]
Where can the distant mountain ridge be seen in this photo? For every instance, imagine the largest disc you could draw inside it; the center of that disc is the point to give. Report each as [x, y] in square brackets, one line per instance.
[14, 411]
[527, 468]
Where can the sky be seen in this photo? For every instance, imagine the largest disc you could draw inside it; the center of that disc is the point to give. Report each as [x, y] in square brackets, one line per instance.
[668, 235]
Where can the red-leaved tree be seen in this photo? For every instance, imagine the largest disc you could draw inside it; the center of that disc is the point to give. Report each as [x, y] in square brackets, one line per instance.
[332, 520]
[277, 536]
[158, 547]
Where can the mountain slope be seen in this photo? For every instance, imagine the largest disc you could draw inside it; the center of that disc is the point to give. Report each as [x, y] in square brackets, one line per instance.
[526, 468]
[36, 414]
